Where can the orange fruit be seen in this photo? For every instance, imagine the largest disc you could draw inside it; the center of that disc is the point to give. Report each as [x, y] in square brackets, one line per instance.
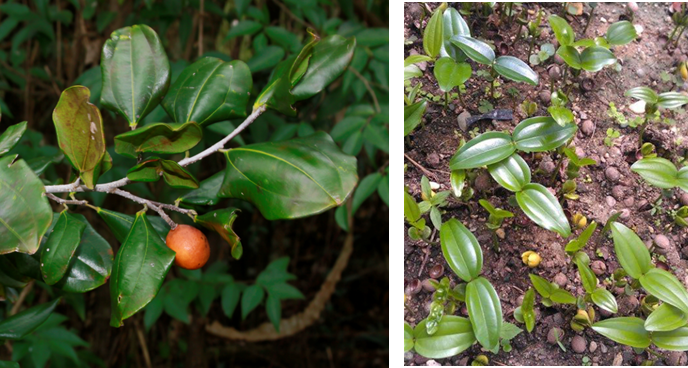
[191, 246]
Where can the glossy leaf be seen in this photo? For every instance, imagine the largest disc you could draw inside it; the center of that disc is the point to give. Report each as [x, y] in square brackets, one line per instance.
[290, 179]
[516, 70]
[432, 35]
[10, 137]
[450, 74]
[141, 265]
[159, 138]
[485, 149]
[595, 58]
[665, 318]
[561, 115]
[543, 287]
[542, 133]
[331, 56]
[136, 72]
[60, 247]
[562, 296]
[120, 224]
[543, 208]
[527, 309]
[408, 337]
[412, 71]
[665, 287]
[23, 323]
[571, 56]
[588, 277]
[562, 30]
[461, 250]
[657, 171]
[676, 340]
[631, 251]
[671, 100]
[458, 181]
[206, 194]
[91, 264]
[417, 58]
[453, 25]
[26, 213]
[624, 330]
[621, 33]
[478, 51]
[577, 244]
[221, 221]
[413, 115]
[682, 178]
[511, 173]
[208, 91]
[485, 312]
[253, 295]
[454, 335]
[605, 300]
[79, 129]
[153, 168]
[643, 93]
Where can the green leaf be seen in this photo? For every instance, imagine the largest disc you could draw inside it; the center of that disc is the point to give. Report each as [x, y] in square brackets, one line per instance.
[26, 213]
[79, 129]
[273, 308]
[330, 58]
[221, 221]
[562, 30]
[657, 171]
[206, 194]
[11, 137]
[478, 51]
[136, 72]
[253, 295]
[289, 179]
[453, 25]
[571, 56]
[543, 287]
[527, 309]
[516, 70]
[543, 208]
[512, 173]
[682, 179]
[411, 209]
[605, 300]
[23, 323]
[561, 115]
[542, 133]
[230, 298]
[665, 318]
[153, 311]
[208, 91]
[485, 312]
[588, 278]
[432, 35]
[624, 330]
[412, 71]
[643, 93]
[450, 74]
[595, 58]
[621, 33]
[577, 244]
[159, 138]
[413, 59]
[676, 340]
[454, 335]
[178, 295]
[485, 149]
[120, 224]
[408, 337]
[665, 287]
[141, 265]
[243, 28]
[562, 296]
[153, 168]
[671, 100]
[461, 250]
[366, 187]
[91, 264]
[60, 247]
[631, 251]
[413, 115]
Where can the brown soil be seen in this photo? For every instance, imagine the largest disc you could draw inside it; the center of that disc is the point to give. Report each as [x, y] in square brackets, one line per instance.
[642, 62]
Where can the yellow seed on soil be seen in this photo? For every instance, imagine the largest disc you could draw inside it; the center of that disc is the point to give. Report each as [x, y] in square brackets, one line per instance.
[579, 221]
[531, 259]
[683, 70]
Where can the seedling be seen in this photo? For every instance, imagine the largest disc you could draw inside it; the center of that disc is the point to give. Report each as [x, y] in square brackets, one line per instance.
[445, 300]
[661, 173]
[458, 184]
[534, 32]
[432, 202]
[680, 20]
[654, 101]
[494, 221]
[546, 52]
[587, 54]
[612, 135]
[575, 163]
[418, 229]
[528, 107]
[680, 216]
[525, 313]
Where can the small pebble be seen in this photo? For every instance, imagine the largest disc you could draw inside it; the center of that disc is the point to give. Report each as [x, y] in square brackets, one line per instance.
[684, 199]
[560, 279]
[619, 192]
[629, 201]
[436, 271]
[676, 358]
[500, 233]
[545, 97]
[462, 120]
[434, 186]
[553, 333]
[427, 286]
[483, 182]
[598, 267]
[662, 242]
[588, 127]
[433, 159]
[432, 363]
[593, 346]
[625, 214]
[618, 359]
[578, 344]
[610, 201]
[612, 174]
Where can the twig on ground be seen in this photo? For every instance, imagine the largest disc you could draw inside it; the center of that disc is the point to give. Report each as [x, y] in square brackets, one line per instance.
[419, 166]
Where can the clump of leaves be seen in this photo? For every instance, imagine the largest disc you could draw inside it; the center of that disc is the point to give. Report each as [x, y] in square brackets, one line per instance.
[612, 135]
[621, 119]
[418, 229]
[432, 202]
[654, 101]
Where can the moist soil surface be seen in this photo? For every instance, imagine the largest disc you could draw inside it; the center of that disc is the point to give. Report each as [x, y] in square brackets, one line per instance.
[605, 188]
